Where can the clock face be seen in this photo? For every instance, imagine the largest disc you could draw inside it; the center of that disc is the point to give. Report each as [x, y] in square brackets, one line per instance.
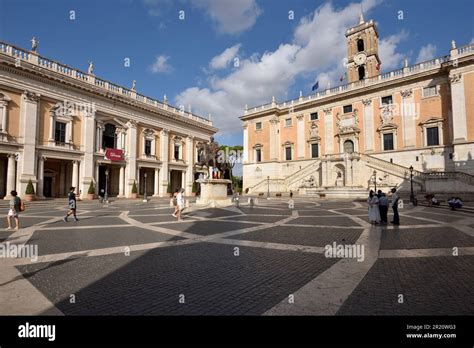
[360, 58]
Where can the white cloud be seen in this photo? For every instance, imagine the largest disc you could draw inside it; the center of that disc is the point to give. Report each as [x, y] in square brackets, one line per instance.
[387, 51]
[426, 53]
[318, 48]
[222, 60]
[230, 16]
[161, 65]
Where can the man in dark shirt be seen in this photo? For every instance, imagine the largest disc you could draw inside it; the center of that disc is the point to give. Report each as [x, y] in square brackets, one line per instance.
[71, 197]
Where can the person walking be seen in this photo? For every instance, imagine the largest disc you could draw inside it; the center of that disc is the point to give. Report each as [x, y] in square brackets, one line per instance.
[395, 198]
[374, 213]
[71, 197]
[175, 202]
[14, 210]
[180, 204]
[383, 207]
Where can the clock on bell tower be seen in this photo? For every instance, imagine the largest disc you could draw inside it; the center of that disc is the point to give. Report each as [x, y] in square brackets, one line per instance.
[362, 51]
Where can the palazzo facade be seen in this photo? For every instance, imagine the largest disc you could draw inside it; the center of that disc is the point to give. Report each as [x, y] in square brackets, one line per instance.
[370, 130]
[61, 127]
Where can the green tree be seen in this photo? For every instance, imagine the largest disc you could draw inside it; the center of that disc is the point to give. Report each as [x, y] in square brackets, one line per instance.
[134, 187]
[30, 189]
[91, 189]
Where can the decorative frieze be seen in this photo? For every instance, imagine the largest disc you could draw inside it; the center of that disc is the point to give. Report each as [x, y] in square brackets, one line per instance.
[274, 120]
[367, 102]
[406, 93]
[132, 124]
[455, 78]
[31, 96]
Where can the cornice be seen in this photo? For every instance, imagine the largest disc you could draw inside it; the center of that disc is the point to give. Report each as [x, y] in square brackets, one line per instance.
[31, 72]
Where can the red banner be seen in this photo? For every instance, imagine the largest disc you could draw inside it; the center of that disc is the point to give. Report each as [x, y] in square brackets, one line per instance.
[114, 154]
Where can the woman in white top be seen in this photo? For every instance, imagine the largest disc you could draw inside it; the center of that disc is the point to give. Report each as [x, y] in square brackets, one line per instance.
[179, 203]
[374, 213]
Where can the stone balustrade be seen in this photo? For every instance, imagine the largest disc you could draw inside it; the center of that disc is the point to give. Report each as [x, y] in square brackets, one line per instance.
[382, 78]
[45, 63]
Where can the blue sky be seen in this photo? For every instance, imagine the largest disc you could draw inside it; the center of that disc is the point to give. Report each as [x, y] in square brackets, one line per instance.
[192, 60]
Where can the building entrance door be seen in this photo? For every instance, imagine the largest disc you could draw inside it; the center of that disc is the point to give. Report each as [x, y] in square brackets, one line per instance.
[47, 186]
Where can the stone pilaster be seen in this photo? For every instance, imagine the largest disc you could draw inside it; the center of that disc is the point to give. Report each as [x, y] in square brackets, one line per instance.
[164, 156]
[458, 102]
[274, 146]
[368, 124]
[11, 174]
[88, 147]
[131, 169]
[29, 111]
[300, 136]
[190, 163]
[246, 143]
[408, 115]
[328, 132]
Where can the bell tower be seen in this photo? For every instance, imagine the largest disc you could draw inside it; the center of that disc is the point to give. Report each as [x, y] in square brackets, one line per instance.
[362, 51]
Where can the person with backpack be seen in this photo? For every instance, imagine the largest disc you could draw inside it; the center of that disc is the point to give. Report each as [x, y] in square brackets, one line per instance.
[71, 197]
[16, 206]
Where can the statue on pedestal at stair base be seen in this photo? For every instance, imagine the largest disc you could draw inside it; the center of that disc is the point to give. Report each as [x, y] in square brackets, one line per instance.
[308, 183]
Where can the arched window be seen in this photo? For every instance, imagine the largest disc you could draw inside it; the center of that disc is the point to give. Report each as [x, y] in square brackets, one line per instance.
[109, 137]
[361, 73]
[348, 146]
[360, 45]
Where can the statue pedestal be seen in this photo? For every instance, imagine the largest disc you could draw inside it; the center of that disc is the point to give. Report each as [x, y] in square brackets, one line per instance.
[214, 192]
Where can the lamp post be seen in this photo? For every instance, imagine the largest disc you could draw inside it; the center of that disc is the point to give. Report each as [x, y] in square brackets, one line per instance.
[232, 161]
[375, 180]
[145, 199]
[268, 187]
[412, 194]
[106, 195]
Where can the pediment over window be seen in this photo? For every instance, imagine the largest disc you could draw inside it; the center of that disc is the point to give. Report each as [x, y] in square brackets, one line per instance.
[387, 127]
[287, 143]
[147, 132]
[177, 139]
[431, 121]
[258, 146]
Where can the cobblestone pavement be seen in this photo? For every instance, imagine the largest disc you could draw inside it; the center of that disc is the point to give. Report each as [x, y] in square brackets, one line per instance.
[132, 258]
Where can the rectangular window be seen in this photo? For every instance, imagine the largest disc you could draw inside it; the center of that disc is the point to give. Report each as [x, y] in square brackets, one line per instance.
[60, 132]
[388, 141]
[432, 136]
[176, 152]
[430, 91]
[314, 151]
[258, 155]
[347, 109]
[288, 153]
[258, 125]
[147, 147]
[314, 116]
[387, 100]
[288, 122]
